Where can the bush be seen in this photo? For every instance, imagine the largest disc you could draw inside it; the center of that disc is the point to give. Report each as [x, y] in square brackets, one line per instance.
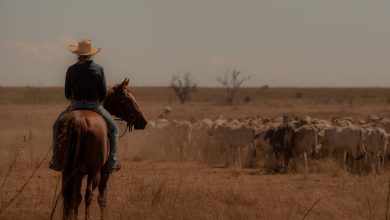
[232, 81]
[264, 87]
[298, 95]
[388, 100]
[247, 99]
[183, 85]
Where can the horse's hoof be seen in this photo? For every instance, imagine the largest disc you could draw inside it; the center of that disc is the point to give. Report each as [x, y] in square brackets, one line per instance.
[114, 168]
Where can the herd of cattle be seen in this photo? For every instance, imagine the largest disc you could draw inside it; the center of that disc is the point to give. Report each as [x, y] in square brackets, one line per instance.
[243, 142]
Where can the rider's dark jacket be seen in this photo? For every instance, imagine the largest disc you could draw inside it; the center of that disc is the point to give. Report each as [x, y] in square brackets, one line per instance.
[85, 82]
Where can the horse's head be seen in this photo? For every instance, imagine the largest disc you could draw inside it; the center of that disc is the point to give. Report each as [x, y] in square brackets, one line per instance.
[122, 104]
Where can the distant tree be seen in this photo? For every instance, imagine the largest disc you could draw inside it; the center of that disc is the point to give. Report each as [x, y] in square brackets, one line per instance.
[264, 87]
[232, 81]
[183, 85]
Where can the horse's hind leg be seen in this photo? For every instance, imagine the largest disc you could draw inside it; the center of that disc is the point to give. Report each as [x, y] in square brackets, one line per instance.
[68, 185]
[88, 196]
[71, 196]
[92, 183]
[102, 198]
[77, 196]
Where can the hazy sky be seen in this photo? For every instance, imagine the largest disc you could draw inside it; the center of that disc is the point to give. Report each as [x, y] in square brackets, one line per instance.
[279, 43]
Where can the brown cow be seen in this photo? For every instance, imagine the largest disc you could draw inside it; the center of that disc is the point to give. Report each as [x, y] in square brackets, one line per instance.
[281, 140]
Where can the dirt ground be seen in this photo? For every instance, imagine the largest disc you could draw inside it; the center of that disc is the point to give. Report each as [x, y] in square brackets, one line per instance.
[146, 189]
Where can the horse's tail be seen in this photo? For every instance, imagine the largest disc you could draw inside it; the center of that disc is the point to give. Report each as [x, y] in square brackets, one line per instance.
[76, 135]
[71, 167]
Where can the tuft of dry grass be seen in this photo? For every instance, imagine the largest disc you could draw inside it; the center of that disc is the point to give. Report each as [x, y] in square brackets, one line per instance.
[21, 142]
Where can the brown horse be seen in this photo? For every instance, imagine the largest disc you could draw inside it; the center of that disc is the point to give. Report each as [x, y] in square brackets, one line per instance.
[83, 148]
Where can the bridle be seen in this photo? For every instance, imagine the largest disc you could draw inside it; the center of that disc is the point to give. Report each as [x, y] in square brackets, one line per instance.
[130, 120]
[129, 127]
[129, 124]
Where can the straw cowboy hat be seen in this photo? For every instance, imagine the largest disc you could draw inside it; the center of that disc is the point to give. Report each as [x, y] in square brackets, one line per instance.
[84, 48]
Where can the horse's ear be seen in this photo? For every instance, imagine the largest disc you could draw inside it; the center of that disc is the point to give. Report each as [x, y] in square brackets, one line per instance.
[124, 83]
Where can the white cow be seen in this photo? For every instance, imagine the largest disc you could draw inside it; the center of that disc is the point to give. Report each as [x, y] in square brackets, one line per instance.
[342, 139]
[232, 139]
[154, 143]
[321, 124]
[263, 147]
[167, 139]
[201, 148]
[384, 123]
[179, 135]
[375, 143]
[305, 142]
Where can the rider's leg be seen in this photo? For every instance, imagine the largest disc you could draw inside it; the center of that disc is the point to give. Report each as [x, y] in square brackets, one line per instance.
[54, 163]
[112, 163]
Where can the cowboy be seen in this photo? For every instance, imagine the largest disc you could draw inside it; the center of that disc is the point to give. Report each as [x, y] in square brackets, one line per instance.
[85, 87]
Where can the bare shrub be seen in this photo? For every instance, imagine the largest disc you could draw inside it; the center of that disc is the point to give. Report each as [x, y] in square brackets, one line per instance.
[232, 81]
[183, 85]
[247, 99]
[264, 87]
[298, 95]
[388, 100]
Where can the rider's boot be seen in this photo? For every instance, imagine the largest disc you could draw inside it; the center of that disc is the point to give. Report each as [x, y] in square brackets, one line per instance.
[112, 163]
[54, 164]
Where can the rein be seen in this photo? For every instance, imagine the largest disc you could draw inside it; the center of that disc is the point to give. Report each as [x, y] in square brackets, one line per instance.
[128, 127]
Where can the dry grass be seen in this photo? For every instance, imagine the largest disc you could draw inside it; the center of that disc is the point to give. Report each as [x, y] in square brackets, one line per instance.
[146, 189]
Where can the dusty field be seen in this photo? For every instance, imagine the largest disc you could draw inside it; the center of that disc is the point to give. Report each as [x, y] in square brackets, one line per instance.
[165, 190]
